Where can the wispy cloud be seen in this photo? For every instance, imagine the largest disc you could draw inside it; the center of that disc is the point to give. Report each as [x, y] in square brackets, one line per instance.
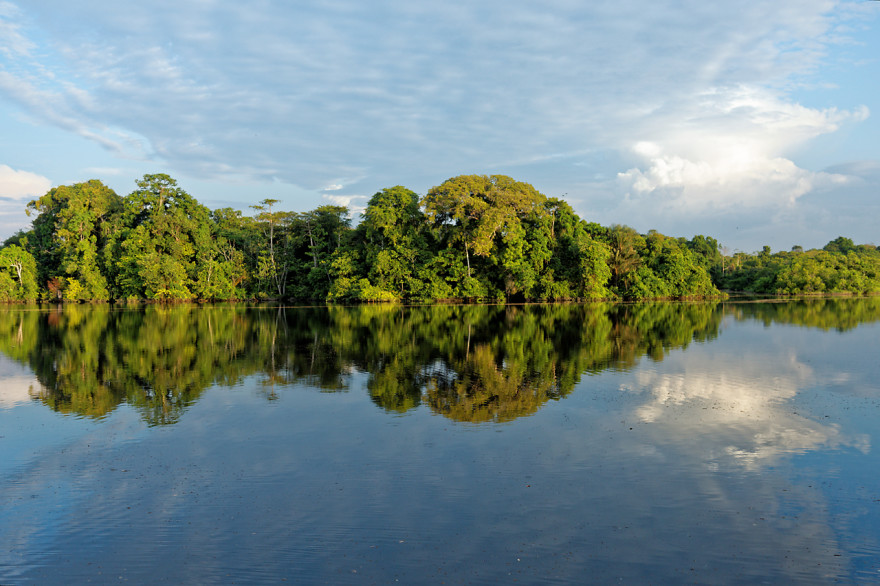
[395, 92]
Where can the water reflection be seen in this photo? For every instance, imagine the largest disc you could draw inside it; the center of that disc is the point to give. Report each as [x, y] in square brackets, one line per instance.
[738, 408]
[836, 313]
[17, 385]
[672, 466]
[468, 363]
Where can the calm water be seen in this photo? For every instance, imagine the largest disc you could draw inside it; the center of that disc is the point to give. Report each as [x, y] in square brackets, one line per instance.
[656, 443]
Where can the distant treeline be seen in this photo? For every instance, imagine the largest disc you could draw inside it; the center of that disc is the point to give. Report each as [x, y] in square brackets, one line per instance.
[473, 237]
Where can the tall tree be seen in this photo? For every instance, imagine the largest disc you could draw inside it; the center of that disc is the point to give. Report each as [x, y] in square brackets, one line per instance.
[625, 244]
[18, 274]
[317, 235]
[273, 264]
[165, 231]
[393, 242]
[70, 232]
[483, 214]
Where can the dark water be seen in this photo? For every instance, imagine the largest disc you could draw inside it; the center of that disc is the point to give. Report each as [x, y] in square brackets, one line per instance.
[655, 443]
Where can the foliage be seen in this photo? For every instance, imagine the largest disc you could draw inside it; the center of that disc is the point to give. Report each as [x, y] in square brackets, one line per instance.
[473, 237]
[70, 233]
[841, 267]
[18, 274]
[471, 363]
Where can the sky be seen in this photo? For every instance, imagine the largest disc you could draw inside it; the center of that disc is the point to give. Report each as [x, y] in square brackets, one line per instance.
[755, 123]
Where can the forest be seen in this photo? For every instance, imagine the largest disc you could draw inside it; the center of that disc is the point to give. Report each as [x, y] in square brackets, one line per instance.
[471, 238]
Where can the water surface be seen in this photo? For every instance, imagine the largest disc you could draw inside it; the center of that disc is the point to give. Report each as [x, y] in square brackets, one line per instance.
[710, 443]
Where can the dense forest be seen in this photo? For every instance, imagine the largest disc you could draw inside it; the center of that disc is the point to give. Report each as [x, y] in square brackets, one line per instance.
[473, 237]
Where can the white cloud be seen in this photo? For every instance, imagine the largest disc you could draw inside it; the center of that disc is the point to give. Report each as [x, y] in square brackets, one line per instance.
[12, 41]
[728, 150]
[701, 186]
[355, 203]
[403, 93]
[22, 184]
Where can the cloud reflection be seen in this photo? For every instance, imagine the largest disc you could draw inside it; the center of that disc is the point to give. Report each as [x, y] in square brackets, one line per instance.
[18, 385]
[738, 412]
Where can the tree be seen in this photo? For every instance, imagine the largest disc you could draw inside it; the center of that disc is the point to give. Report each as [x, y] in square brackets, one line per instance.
[70, 233]
[273, 264]
[484, 214]
[593, 271]
[158, 254]
[316, 236]
[706, 251]
[840, 244]
[625, 244]
[394, 246]
[238, 243]
[18, 274]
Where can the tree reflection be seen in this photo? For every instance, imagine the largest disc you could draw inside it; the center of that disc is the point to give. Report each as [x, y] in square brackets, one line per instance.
[468, 362]
[89, 359]
[835, 313]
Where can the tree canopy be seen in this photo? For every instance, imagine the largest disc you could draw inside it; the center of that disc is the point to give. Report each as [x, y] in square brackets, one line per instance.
[473, 237]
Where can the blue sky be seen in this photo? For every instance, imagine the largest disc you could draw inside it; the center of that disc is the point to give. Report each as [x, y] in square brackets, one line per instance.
[752, 122]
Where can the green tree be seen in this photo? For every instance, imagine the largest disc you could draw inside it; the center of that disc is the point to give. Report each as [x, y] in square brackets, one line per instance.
[706, 251]
[238, 244]
[158, 254]
[591, 263]
[18, 274]
[273, 264]
[70, 232]
[484, 215]
[316, 236]
[840, 244]
[625, 244]
[392, 237]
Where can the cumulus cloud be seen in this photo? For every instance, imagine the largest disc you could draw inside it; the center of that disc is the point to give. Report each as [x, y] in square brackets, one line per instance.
[355, 203]
[21, 184]
[392, 92]
[729, 151]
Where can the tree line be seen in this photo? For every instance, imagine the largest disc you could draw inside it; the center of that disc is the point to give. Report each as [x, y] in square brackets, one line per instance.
[840, 267]
[473, 237]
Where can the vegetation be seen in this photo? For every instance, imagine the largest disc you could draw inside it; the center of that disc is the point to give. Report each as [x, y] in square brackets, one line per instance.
[473, 237]
[841, 267]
